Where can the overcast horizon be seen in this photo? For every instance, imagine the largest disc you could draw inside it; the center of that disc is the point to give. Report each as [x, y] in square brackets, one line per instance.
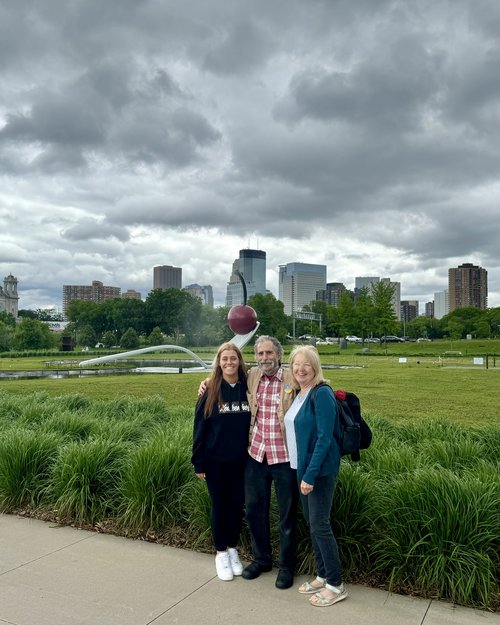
[356, 134]
[144, 295]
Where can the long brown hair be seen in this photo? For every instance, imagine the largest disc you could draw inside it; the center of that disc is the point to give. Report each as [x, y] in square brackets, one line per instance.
[214, 395]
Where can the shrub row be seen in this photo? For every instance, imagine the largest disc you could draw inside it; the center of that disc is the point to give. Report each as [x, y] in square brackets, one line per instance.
[419, 513]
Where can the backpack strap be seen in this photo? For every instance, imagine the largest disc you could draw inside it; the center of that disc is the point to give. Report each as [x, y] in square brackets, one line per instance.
[314, 390]
[312, 400]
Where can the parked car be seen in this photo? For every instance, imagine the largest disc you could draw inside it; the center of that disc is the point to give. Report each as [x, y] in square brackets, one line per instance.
[373, 339]
[353, 339]
[391, 339]
[423, 340]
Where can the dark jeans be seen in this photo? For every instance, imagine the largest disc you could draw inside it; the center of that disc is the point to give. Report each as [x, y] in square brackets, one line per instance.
[226, 488]
[258, 479]
[317, 508]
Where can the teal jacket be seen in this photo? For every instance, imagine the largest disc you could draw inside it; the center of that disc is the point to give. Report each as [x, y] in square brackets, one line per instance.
[317, 433]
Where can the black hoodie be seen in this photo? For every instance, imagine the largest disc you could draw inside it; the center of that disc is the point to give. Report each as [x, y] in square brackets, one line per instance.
[222, 437]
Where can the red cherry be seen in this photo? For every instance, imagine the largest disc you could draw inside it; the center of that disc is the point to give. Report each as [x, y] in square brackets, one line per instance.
[242, 319]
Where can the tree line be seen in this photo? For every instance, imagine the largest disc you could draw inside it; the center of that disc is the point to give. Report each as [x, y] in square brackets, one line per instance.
[175, 316]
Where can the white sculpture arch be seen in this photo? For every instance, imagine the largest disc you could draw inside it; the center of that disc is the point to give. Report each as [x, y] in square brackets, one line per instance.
[240, 340]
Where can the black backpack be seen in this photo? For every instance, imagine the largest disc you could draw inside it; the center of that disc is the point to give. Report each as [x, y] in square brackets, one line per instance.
[355, 433]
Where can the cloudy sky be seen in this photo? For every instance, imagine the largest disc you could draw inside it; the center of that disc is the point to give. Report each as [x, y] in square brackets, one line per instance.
[360, 134]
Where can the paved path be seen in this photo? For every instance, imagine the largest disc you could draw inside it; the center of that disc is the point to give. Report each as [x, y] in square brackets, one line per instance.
[54, 575]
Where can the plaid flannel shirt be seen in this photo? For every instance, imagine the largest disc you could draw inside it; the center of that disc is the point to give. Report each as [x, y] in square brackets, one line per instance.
[267, 437]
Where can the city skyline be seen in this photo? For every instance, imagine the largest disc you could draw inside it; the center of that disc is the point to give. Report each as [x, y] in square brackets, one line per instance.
[362, 138]
[358, 282]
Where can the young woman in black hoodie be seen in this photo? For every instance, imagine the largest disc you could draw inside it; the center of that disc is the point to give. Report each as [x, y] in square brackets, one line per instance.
[220, 440]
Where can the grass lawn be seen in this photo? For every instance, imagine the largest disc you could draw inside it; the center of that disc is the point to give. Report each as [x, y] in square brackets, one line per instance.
[417, 389]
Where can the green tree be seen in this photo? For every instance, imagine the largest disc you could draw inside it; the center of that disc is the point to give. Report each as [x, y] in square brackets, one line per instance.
[130, 339]
[6, 336]
[455, 328]
[82, 313]
[7, 318]
[87, 336]
[156, 337]
[493, 316]
[347, 315]
[33, 334]
[123, 313]
[462, 321]
[42, 314]
[482, 329]
[365, 314]
[331, 323]
[109, 339]
[422, 326]
[385, 321]
[174, 311]
[271, 315]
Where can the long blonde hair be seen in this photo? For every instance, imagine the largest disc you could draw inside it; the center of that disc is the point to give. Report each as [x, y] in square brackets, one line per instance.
[214, 395]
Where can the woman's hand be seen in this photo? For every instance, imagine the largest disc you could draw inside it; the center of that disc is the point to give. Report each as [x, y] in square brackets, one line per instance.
[200, 475]
[305, 488]
[203, 387]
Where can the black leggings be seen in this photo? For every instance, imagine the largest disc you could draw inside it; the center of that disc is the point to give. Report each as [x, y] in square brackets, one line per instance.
[226, 488]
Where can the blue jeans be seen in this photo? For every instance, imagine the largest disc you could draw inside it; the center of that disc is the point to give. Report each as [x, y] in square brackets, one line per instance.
[258, 479]
[317, 508]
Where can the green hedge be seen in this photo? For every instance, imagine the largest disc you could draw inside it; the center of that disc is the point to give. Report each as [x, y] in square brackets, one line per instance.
[419, 513]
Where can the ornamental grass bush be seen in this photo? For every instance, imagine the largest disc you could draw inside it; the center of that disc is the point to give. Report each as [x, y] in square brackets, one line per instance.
[437, 533]
[85, 480]
[419, 513]
[70, 425]
[153, 484]
[26, 461]
[196, 502]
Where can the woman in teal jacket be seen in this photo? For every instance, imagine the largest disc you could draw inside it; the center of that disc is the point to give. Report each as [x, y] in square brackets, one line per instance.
[312, 433]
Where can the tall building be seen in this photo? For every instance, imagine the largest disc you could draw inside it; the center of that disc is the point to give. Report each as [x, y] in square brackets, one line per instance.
[409, 310]
[429, 309]
[252, 266]
[365, 282]
[441, 304]
[167, 277]
[205, 293]
[9, 298]
[332, 294]
[299, 283]
[96, 292]
[468, 286]
[396, 296]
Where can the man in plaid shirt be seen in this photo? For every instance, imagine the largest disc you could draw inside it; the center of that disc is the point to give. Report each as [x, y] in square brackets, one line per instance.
[269, 462]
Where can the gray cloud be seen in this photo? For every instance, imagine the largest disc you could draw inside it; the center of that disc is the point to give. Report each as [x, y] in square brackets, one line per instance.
[95, 229]
[244, 48]
[359, 134]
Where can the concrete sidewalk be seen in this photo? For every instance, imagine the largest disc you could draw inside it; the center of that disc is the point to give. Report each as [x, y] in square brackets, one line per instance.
[54, 575]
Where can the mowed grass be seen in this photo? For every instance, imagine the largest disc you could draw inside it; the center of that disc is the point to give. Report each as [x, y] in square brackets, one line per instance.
[413, 390]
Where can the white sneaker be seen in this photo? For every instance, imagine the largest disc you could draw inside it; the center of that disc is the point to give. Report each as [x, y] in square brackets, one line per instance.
[234, 560]
[223, 567]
